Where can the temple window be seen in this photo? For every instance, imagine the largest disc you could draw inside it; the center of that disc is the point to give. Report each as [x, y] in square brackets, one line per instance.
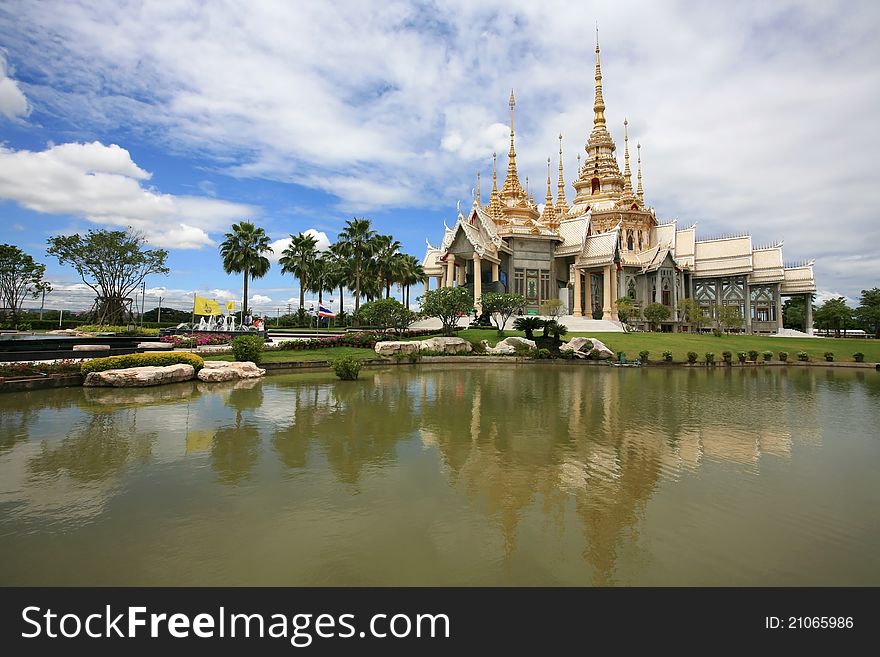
[595, 186]
[631, 287]
[519, 281]
[629, 241]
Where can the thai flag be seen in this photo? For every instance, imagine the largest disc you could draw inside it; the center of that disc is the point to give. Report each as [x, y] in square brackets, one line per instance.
[324, 311]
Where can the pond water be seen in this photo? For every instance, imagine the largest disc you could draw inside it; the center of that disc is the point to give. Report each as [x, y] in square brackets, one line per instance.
[455, 475]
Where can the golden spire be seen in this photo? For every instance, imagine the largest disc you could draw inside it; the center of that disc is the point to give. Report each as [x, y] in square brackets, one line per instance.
[561, 203]
[512, 189]
[479, 194]
[599, 103]
[549, 216]
[627, 174]
[640, 193]
[494, 209]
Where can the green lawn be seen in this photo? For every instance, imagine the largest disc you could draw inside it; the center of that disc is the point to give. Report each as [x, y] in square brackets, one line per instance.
[306, 355]
[681, 343]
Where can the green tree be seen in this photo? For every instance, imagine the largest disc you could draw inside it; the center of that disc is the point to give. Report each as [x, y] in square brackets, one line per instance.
[657, 313]
[500, 306]
[868, 312]
[387, 313]
[20, 277]
[447, 304]
[412, 273]
[113, 263]
[389, 261]
[834, 315]
[794, 313]
[528, 324]
[355, 242]
[243, 252]
[321, 276]
[691, 313]
[730, 317]
[341, 272]
[625, 308]
[298, 259]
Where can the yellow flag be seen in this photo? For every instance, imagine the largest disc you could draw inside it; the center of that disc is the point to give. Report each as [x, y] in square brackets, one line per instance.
[230, 306]
[204, 306]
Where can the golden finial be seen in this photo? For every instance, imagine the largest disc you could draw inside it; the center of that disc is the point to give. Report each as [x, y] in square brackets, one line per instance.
[599, 103]
[640, 192]
[627, 174]
[527, 186]
[549, 215]
[512, 190]
[561, 202]
[494, 171]
[479, 194]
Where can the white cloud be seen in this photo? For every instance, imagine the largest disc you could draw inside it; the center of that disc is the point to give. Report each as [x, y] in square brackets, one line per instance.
[278, 246]
[737, 133]
[13, 103]
[102, 184]
[260, 298]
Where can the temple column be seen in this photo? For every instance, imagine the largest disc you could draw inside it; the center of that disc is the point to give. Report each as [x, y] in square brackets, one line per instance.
[657, 296]
[495, 273]
[588, 294]
[606, 294]
[676, 279]
[748, 306]
[717, 302]
[462, 270]
[478, 284]
[427, 284]
[439, 282]
[778, 309]
[576, 311]
[809, 314]
[450, 271]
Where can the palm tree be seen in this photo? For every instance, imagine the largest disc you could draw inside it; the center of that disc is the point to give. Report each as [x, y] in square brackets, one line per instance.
[412, 273]
[340, 271]
[297, 259]
[320, 276]
[355, 243]
[388, 262]
[242, 252]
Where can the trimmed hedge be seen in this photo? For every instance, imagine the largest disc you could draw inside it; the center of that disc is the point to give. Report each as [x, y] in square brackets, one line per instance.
[248, 348]
[141, 360]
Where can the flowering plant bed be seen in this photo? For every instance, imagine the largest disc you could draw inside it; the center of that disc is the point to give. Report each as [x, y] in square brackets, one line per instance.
[192, 341]
[20, 370]
[357, 340]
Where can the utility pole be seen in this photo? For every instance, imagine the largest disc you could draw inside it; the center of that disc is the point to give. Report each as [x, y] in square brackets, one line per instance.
[159, 316]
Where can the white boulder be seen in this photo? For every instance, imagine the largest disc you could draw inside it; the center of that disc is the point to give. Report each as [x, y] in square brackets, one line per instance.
[587, 348]
[508, 346]
[394, 347]
[221, 370]
[140, 377]
[446, 345]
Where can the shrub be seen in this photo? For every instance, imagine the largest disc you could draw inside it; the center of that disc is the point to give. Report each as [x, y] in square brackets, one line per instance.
[829, 356]
[717, 332]
[859, 357]
[500, 306]
[692, 357]
[542, 354]
[643, 355]
[667, 356]
[528, 324]
[447, 304]
[656, 313]
[554, 328]
[710, 358]
[346, 368]
[742, 356]
[248, 347]
[727, 356]
[64, 366]
[753, 355]
[803, 356]
[386, 313]
[141, 360]
[523, 351]
[768, 356]
[783, 356]
[103, 328]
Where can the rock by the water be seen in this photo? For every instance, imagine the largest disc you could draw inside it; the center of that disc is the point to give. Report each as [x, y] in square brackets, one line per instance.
[91, 347]
[155, 346]
[508, 346]
[140, 377]
[393, 347]
[587, 348]
[221, 370]
[446, 345]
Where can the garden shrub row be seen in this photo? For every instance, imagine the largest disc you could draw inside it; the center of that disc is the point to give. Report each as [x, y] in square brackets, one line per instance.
[141, 360]
[357, 340]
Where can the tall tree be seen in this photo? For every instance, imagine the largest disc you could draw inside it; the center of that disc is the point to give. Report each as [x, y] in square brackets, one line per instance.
[20, 277]
[321, 276]
[340, 272]
[113, 263]
[298, 259]
[355, 243]
[386, 251]
[834, 315]
[868, 312]
[412, 273]
[243, 253]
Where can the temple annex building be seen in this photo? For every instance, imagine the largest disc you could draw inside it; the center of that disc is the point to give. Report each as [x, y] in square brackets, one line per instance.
[607, 244]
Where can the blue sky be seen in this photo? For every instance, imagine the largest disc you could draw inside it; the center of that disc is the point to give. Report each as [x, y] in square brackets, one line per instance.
[179, 118]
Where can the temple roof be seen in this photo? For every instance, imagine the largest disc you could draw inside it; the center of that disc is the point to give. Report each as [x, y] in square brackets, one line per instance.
[767, 264]
[799, 279]
[723, 257]
[599, 249]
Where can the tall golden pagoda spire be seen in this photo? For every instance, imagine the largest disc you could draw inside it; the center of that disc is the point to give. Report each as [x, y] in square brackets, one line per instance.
[549, 216]
[640, 193]
[599, 180]
[627, 174]
[479, 193]
[512, 190]
[599, 102]
[561, 203]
